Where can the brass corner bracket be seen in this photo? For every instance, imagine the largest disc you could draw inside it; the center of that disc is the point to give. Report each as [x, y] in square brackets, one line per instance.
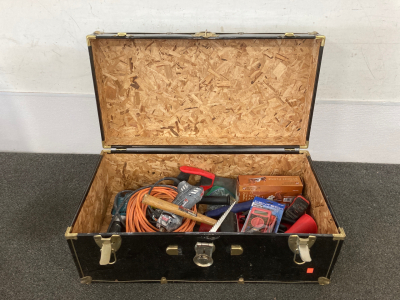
[104, 145]
[86, 280]
[304, 152]
[321, 37]
[339, 236]
[305, 146]
[70, 236]
[90, 37]
[324, 281]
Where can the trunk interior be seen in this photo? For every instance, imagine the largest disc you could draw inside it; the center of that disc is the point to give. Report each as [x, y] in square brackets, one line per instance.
[117, 172]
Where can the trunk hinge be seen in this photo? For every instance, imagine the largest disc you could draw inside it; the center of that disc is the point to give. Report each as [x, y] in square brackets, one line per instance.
[108, 247]
[205, 34]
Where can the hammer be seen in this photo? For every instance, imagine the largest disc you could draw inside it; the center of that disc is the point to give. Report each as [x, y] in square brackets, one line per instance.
[176, 209]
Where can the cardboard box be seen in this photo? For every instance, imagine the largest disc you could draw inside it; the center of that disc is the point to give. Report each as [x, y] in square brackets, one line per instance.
[283, 188]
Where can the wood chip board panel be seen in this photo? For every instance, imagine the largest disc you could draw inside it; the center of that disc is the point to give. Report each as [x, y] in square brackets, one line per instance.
[131, 171]
[205, 92]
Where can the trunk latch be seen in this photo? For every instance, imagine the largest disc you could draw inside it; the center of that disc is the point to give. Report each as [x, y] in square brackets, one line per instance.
[108, 246]
[302, 247]
[204, 253]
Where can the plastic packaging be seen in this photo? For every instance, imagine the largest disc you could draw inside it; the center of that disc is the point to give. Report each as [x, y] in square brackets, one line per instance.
[264, 216]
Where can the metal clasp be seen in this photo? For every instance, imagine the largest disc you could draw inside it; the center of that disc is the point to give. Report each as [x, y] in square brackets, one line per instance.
[108, 246]
[302, 247]
[204, 253]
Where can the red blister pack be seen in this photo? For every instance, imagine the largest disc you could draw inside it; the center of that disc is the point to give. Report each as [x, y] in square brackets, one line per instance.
[258, 220]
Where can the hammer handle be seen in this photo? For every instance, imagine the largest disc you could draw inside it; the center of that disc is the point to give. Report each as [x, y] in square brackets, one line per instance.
[173, 208]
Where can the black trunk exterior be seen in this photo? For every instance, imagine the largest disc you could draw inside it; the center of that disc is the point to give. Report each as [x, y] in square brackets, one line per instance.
[266, 257]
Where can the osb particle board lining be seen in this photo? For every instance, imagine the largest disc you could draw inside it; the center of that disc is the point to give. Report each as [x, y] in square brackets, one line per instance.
[130, 171]
[97, 200]
[199, 92]
[318, 209]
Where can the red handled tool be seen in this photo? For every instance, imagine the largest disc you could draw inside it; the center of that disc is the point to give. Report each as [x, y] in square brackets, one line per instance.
[207, 178]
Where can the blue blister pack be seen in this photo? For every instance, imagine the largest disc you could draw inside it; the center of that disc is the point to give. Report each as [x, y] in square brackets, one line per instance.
[276, 209]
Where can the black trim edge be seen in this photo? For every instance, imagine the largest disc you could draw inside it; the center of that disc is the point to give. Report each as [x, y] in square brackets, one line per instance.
[335, 258]
[75, 257]
[321, 50]
[96, 91]
[205, 150]
[220, 36]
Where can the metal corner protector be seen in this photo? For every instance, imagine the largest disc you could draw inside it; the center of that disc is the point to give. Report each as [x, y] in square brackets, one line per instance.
[339, 236]
[324, 281]
[86, 280]
[90, 37]
[104, 145]
[305, 146]
[70, 236]
[304, 152]
[321, 37]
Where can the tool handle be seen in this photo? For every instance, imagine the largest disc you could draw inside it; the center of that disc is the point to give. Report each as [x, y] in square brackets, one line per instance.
[205, 184]
[236, 208]
[215, 200]
[175, 209]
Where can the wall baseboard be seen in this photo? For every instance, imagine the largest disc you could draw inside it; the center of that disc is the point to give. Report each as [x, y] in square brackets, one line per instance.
[358, 131]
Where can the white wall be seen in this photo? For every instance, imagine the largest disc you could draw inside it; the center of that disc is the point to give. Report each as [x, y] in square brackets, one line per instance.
[43, 50]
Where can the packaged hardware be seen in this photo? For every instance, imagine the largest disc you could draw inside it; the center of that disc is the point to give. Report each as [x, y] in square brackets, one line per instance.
[283, 188]
[264, 216]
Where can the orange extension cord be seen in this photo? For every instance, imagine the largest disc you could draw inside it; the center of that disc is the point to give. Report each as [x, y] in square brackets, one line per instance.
[136, 220]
